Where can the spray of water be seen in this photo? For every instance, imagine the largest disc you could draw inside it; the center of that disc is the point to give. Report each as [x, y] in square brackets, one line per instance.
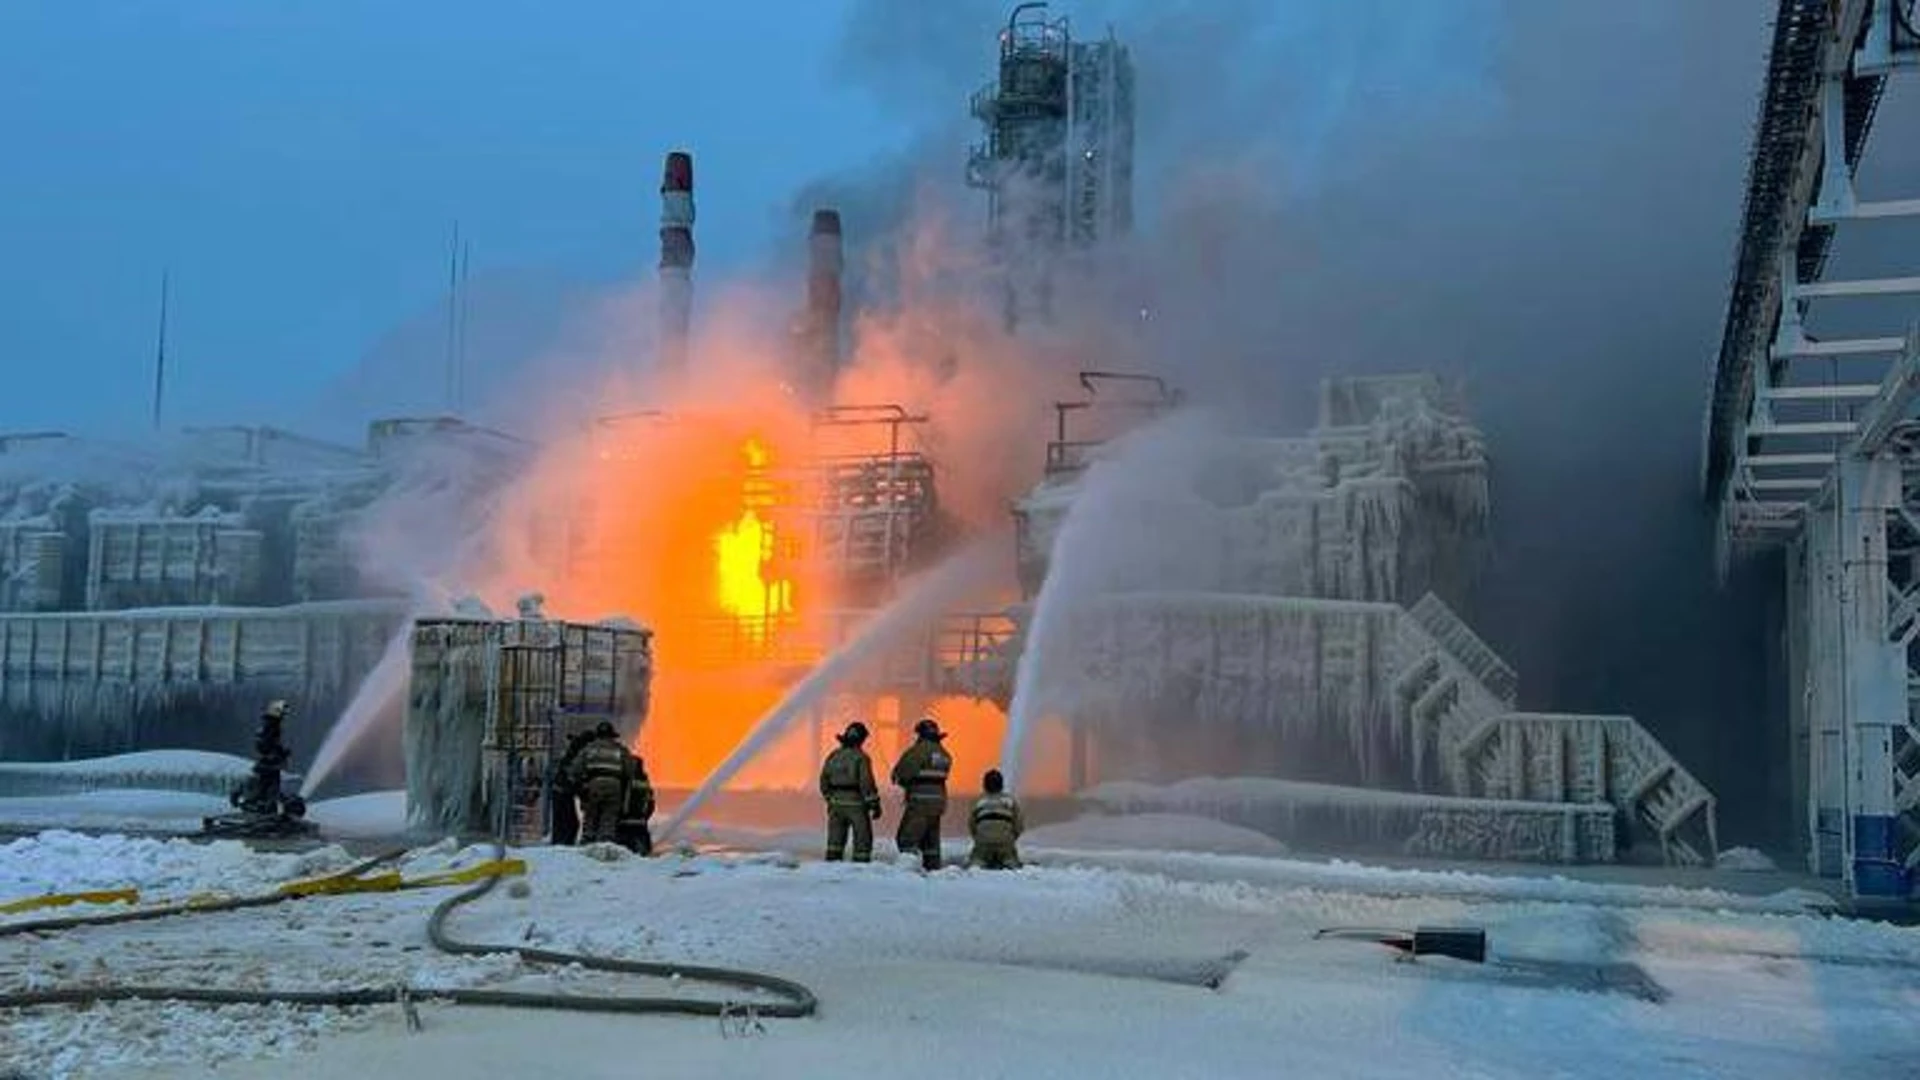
[379, 696]
[920, 601]
[1126, 527]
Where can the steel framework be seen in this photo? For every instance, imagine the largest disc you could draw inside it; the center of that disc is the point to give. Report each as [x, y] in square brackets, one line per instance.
[1057, 161]
[1809, 443]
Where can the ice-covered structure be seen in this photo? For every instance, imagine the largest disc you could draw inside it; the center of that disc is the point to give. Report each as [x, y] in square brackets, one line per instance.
[155, 594]
[76, 685]
[1285, 620]
[488, 703]
[1386, 499]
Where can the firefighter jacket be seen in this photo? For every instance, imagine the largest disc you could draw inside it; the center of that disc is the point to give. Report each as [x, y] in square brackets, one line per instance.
[923, 770]
[846, 779]
[602, 759]
[996, 819]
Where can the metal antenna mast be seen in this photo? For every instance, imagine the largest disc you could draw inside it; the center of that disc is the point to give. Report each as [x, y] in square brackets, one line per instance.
[160, 355]
[453, 312]
[460, 347]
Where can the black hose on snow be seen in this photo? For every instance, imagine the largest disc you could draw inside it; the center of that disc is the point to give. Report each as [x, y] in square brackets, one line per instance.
[798, 1000]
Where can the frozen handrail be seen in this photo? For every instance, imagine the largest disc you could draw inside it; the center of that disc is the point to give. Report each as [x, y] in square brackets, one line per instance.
[1467, 647]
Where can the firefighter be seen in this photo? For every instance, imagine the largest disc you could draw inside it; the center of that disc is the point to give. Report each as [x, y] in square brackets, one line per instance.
[600, 774]
[995, 825]
[270, 756]
[636, 809]
[566, 811]
[922, 772]
[853, 799]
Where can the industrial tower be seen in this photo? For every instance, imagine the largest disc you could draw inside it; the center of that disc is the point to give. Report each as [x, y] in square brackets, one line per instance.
[1057, 162]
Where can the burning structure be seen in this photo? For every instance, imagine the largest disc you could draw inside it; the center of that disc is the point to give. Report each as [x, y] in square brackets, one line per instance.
[1286, 630]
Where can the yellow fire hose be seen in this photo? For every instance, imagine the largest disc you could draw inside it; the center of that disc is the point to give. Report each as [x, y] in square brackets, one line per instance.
[97, 896]
[792, 999]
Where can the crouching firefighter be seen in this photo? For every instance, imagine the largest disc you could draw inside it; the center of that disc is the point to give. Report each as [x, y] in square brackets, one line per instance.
[600, 775]
[636, 810]
[922, 772]
[995, 825]
[853, 799]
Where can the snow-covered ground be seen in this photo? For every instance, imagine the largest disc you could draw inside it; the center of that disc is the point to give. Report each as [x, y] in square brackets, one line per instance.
[1151, 832]
[1065, 969]
[377, 814]
[131, 809]
[197, 771]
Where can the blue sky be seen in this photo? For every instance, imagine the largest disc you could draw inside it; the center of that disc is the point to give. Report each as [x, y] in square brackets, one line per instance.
[298, 166]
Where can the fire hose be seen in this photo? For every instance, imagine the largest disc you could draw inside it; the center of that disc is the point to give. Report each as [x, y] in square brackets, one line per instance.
[795, 1000]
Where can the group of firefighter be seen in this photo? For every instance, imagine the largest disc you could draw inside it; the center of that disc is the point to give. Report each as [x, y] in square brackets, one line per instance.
[615, 799]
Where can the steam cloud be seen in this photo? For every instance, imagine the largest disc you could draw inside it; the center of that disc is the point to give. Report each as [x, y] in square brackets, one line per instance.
[1477, 189]
[1473, 189]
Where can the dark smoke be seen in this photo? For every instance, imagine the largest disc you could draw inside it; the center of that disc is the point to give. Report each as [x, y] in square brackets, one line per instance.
[1541, 199]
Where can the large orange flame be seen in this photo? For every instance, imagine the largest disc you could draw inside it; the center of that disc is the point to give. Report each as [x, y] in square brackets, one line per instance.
[744, 551]
[693, 515]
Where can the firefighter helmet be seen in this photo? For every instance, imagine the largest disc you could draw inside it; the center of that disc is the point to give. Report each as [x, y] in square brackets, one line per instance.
[928, 728]
[855, 734]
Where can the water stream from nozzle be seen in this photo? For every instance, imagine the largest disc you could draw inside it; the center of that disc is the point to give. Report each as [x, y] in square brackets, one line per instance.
[1116, 532]
[921, 600]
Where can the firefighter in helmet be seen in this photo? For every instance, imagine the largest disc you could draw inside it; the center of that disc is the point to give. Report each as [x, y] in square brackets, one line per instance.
[853, 799]
[566, 811]
[635, 831]
[270, 757]
[601, 774]
[922, 772]
[995, 825]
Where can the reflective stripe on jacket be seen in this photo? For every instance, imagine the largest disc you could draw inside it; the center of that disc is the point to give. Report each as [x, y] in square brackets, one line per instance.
[603, 759]
[996, 819]
[923, 770]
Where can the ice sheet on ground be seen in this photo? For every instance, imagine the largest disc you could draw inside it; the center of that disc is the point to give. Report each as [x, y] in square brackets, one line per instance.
[197, 771]
[1061, 964]
[1173, 832]
[133, 809]
[1746, 859]
[1214, 790]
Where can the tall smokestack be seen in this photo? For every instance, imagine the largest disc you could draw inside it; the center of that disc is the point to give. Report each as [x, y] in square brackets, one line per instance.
[676, 260]
[825, 259]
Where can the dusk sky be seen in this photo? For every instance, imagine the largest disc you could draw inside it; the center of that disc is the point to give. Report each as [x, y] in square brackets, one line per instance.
[298, 167]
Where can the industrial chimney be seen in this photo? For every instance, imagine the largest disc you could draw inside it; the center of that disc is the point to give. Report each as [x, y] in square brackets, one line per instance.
[824, 261]
[676, 261]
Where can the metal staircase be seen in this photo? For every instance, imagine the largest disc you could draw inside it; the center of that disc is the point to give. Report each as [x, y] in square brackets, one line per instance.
[1467, 740]
[1459, 640]
[1558, 757]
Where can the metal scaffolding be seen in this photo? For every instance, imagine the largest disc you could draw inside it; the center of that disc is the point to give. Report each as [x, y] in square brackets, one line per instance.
[1057, 161]
[1810, 442]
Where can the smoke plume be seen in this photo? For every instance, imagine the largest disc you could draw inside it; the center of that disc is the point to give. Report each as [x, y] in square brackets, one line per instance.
[1483, 191]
